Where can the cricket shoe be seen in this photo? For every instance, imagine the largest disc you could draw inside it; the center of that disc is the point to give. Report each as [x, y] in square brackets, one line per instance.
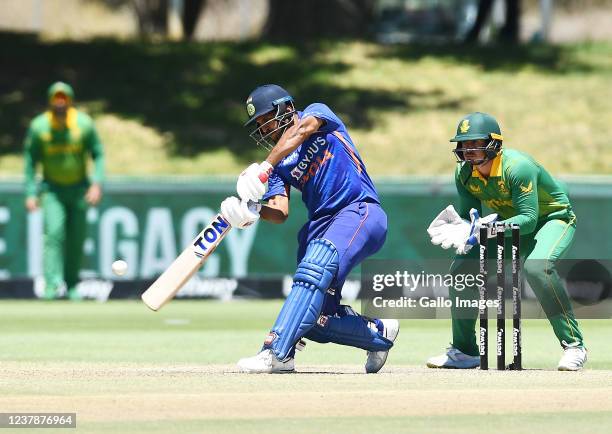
[376, 359]
[454, 359]
[574, 357]
[265, 363]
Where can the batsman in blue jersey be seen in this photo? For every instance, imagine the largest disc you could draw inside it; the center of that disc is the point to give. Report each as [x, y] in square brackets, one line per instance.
[312, 152]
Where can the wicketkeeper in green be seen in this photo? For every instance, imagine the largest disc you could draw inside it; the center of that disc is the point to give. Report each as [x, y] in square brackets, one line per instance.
[520, 191]
[62, 139]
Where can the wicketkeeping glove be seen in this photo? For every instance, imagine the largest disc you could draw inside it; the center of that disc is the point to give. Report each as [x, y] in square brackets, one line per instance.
[465, 244]
[447, 227]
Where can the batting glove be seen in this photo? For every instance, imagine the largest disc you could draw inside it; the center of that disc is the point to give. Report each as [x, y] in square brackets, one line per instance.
[251, 185]
[240, 214]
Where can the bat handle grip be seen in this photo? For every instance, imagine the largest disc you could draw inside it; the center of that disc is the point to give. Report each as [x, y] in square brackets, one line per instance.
[266, 170]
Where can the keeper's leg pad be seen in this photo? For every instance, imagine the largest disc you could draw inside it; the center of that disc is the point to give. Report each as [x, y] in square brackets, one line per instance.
[351, 329]
[303, 305]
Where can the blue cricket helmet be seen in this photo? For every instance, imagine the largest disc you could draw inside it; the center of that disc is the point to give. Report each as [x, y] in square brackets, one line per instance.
[269, 98]
[265, 99]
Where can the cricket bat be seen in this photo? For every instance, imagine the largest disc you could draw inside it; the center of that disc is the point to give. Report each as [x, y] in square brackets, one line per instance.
[186, 264]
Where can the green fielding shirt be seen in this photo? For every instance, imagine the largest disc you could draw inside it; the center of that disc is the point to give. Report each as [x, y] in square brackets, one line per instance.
[518, 189]
[63, 152]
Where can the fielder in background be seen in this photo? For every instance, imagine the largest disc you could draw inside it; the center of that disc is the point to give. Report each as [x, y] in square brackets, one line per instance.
[61, 140]
[311, 151]
[522, 192]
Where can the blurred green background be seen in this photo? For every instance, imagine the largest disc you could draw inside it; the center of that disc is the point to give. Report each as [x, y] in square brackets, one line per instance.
[167, 106]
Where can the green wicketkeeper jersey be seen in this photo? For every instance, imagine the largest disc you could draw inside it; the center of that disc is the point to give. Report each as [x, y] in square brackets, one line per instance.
[62, 151]
[518, 189]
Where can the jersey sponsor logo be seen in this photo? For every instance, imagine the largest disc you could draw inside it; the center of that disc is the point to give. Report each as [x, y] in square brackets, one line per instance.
[310, 163]
[308, 157]
[528, 188]
[314, 167]
[465, 126]
[502, 187]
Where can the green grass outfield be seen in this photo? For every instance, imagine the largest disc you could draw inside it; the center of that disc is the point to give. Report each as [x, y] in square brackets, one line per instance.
[122, 368]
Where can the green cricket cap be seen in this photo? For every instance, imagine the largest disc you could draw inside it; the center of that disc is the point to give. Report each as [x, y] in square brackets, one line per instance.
[476, 126]
[60, 87]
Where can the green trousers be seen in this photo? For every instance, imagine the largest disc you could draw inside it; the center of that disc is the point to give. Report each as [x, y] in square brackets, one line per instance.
[64, 220]
[542, 250]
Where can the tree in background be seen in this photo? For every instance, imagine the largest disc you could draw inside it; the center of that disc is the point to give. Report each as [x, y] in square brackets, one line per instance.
[510, 32]
[300, 20]
[287, 20]
[153, 15]
[191, 13]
